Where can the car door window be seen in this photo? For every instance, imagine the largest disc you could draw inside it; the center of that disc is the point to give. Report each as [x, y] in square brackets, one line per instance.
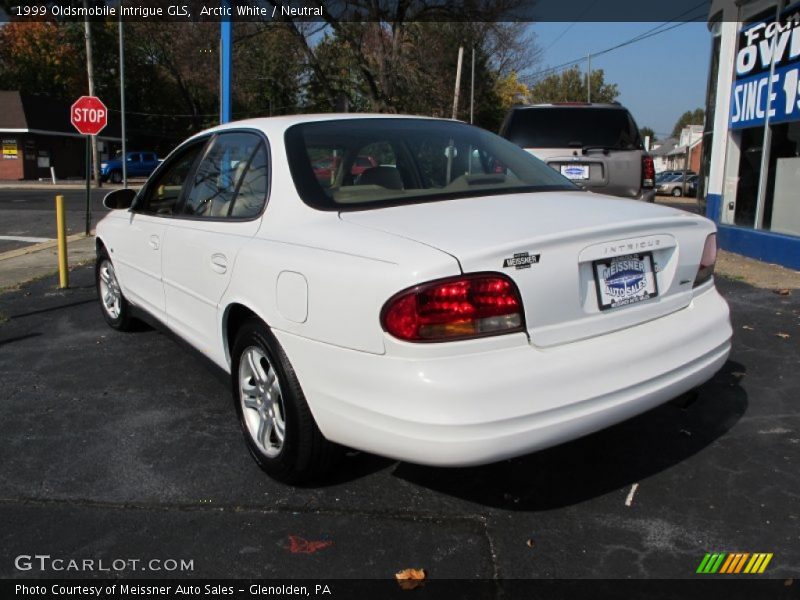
[218, 175]
[163, 193]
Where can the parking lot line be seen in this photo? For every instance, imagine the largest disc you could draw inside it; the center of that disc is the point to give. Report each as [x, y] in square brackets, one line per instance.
[22, 238]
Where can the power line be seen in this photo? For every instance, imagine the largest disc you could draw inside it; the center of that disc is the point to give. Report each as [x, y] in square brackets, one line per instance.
[652, 32]
[570, 26]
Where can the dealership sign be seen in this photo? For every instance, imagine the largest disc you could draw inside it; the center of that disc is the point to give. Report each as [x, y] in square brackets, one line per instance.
[759, 90]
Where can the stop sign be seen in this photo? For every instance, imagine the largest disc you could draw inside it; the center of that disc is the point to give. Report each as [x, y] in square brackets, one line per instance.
[88, 115]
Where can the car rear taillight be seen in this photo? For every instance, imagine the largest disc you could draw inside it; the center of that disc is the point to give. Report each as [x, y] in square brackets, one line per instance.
[461, 307]
[707, 261]
[648, 172]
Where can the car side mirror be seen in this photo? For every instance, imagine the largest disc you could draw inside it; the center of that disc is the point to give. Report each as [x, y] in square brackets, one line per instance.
[119, 199]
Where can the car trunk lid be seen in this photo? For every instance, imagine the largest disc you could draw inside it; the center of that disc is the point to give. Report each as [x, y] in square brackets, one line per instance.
[548, 243]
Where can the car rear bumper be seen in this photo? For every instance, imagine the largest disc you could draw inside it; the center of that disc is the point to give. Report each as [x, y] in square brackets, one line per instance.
[486, 406]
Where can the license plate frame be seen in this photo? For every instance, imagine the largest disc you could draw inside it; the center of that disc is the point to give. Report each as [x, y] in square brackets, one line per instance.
[580, 171]
[634, 280]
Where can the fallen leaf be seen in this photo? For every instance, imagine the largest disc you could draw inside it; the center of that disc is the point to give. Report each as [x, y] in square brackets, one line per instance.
[408, 579]
[747, 327]
[299, 545]
[529, 543]
[783, 336]
[782, 292]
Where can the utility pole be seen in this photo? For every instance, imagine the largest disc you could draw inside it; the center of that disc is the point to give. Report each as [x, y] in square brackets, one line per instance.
[458, 80]
[225, 66]
[90, 72]
[122, 103]
[472, 90]
[588, 77]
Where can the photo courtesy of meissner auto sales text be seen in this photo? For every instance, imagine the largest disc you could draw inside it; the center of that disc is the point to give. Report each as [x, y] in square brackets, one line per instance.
[391, 298]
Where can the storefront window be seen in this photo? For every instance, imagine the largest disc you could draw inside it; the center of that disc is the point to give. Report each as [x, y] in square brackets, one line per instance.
[781, 199]
[750, 150]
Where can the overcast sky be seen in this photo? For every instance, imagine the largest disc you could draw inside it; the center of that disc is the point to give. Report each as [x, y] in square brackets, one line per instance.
[659, 78]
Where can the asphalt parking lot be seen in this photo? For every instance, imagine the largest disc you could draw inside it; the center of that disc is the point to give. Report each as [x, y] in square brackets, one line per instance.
[126, 445]
[27, 213]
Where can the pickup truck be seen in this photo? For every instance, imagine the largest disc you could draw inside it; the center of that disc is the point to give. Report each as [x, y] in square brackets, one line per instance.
[139, 164]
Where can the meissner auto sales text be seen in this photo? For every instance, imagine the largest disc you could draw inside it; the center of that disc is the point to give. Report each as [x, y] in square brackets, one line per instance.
[60, 589]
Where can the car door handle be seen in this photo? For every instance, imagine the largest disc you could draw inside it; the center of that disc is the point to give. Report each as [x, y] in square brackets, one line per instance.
[219, 263]
[154, 242]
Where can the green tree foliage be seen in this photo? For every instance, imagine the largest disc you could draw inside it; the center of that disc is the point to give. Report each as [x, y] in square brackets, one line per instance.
[395, 64]
[690, 117]
[570, 86]
[648, 131]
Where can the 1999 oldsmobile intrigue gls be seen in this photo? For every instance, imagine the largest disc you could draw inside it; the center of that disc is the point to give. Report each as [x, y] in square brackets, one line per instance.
[456, 303]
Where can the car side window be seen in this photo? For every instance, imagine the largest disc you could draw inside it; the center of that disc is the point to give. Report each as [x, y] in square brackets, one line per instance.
[164, 191]
[218, 175]
[252, 192]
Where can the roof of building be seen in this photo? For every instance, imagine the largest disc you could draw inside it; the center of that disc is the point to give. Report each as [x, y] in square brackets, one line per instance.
[41, 114]
[664, 147]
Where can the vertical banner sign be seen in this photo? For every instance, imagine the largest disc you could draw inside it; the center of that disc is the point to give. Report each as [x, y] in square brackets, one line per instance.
[759, 44]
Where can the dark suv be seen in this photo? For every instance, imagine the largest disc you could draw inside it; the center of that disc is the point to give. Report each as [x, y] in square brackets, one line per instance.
[596, 145]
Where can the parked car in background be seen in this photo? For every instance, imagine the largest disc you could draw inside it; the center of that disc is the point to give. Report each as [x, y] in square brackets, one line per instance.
[595, 145]
[460, 303]
[674, 185]
[138, 164]
[664, 175]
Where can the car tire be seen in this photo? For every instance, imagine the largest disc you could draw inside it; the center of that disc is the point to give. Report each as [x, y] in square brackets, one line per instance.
[277, 424]
[115, 308]
[676, 192]
[116, 177]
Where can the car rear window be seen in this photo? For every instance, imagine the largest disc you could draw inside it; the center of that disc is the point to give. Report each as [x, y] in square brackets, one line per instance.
[573, 127]
[408, 161]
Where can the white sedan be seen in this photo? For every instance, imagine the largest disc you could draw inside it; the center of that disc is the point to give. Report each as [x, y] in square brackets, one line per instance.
[416, 288]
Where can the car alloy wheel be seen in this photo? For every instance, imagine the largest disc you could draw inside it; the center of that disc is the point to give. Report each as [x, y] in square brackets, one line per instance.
[277, 423]
[676, 192]
[116, 177]
[110, 294]
[115, 308]
[261, 401]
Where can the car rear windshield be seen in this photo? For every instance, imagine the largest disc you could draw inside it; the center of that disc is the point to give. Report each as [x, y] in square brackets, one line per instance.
[573, 127]
[352, 164]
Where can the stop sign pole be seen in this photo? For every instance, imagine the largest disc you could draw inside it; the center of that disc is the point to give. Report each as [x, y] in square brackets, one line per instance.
[89, 116]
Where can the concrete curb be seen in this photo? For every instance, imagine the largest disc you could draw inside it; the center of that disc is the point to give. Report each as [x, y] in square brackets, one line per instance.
[41, 246]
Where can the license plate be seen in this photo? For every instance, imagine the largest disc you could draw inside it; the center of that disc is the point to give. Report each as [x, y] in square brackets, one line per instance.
[575, 171]
[625, 280]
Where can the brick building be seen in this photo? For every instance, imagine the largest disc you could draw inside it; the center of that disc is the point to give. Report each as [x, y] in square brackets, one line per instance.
[36, 134]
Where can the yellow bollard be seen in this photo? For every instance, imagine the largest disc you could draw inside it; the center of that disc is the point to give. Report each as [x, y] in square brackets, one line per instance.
[61, 231]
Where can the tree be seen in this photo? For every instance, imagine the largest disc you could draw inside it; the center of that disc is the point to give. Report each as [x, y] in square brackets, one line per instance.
[43, 58]
[690, 117]
[648, 131]
[401, 56]
[570, 86]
